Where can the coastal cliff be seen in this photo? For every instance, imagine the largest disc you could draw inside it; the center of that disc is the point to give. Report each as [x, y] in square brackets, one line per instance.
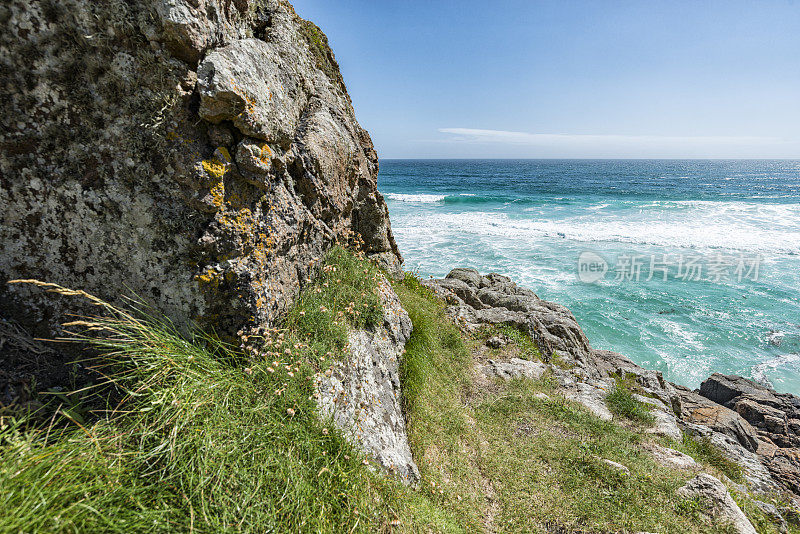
[201, 155]
[277, 371]
[751, 424]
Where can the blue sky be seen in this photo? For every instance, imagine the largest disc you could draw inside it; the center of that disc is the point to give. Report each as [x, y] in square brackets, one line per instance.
[562, 78]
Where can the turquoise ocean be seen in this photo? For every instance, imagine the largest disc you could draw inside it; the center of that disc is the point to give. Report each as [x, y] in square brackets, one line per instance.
[689, 267]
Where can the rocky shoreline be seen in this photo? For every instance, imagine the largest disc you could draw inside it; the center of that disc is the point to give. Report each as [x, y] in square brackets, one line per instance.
[205, 156]
[752, 425]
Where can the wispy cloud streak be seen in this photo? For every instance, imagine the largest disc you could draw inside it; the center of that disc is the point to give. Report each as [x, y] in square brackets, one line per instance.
[475, 142]
[475, 135]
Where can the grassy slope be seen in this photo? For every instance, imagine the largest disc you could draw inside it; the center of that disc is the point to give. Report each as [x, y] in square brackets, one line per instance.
[214, 439]
[506, 459]
[208, 439]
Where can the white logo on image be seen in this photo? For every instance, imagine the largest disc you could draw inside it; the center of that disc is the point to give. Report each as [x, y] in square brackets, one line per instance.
[591, 267]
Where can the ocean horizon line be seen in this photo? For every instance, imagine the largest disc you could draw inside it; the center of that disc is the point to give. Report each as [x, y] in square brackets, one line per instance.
[797, 159]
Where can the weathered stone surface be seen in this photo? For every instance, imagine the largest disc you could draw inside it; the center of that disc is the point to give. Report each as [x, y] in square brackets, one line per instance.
[515, 368]
[592, 397]
[783, 464]
[721, 505]
[247, 83]
[611, 364]
[495, 342]
[775, 415]
[616, 465]
[200, 153]
[463, 291]
[495, 299]
[774, 515]
[699, 410]
[471, 277]
[672, 458]
[666, 424]
[362, 393]
[758, 478]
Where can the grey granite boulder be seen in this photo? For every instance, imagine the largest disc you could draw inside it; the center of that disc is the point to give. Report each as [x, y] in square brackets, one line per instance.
[515, 368]
[248, 83]
[592, 397]
[471, 277]
[672, 458]
[362, 393]
[495, 299]
[721, 505]
[666, 424]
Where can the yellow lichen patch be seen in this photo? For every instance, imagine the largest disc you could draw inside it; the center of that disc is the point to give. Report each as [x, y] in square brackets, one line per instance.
[217, 193]
[241, 222]
[266, 154]
[209, 278]
[214, 167]
[249, 103]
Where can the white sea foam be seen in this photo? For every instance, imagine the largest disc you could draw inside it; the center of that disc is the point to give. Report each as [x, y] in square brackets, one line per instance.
[421, 197]
[773, 232]
[761, 372]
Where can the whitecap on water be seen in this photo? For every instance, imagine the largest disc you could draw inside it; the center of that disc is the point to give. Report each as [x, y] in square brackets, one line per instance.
[420, 197]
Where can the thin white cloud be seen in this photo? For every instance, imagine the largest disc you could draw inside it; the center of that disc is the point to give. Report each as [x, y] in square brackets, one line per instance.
[476, 142]
[525, 138]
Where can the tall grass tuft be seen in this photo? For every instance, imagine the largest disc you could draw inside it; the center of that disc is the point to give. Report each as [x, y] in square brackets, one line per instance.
[622, 403]
[702, 450]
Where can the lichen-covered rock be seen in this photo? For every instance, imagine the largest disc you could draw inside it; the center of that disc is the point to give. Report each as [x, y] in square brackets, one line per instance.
[672, 458]
[362, 392]
[721, 505]
[493, 299]
[202, 154]
[515, 368]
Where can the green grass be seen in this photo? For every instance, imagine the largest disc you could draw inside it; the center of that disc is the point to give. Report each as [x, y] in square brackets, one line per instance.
[545, 460]
[702, 450]
[342, 296]
[527, 349]
[508, 461]
[208, 438]
[622, 403]
[212, 438]
[435, 375]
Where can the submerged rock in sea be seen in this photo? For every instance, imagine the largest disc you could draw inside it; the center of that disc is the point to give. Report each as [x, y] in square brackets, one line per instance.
[202, 155]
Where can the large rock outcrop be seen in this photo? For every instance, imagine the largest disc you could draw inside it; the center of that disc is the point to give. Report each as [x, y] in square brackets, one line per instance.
[201, 154]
